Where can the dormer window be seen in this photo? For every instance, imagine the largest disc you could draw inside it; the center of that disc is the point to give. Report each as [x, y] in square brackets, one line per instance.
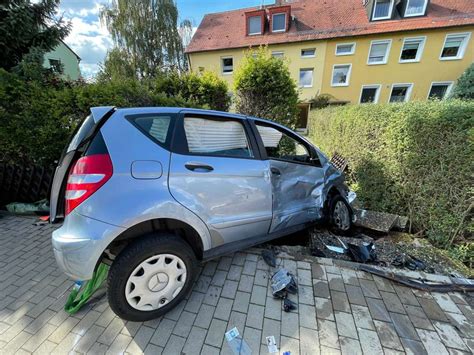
[382, 10]
[279, 22]
[416, 8]
[254, 25]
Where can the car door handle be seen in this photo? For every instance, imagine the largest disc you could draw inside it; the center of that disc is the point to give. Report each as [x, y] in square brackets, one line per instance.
[275, 171]
[198, 166]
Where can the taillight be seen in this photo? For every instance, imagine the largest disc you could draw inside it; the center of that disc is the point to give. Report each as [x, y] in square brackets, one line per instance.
[86, 177]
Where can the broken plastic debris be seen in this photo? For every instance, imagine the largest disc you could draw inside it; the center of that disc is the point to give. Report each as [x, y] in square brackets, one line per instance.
[288, 305]
[269, 257]
[236, 343]
[271, 344]
[411, 263]
[362, 253]
[283, 282]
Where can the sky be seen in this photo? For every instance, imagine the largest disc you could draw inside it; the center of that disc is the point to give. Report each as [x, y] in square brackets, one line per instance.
[91, 40]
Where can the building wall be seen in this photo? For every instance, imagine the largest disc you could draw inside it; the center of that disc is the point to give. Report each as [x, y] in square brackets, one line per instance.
[68, 59]
[292, 52]
[421, 74]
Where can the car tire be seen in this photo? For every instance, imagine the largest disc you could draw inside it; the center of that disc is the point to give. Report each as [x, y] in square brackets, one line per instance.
[340, 214]
[150, 276]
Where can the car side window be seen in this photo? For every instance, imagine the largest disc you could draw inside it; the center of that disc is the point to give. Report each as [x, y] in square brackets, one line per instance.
[216, 136]
[156, 126]
[281, 146]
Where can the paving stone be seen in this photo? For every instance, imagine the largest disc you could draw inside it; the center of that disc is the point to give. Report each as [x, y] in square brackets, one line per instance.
[465, 327]
[418, 317]
[86, 322]
[255, 316]
[406, 295]
[249, 268]
[336, 282]
[370, 342]
[362, 317]
[16, 343]
[432, 309]
[290, 345]
[224, 263]
[259, 295]
[350, 277]
[131, 328]
[39, 337]
[98, 349]
[355, 295]
[184, 324]
[369, 288]
[328, 334]
[230, 288]
[457, 298]
[204, 317]
[445, 302]
[449, 336]
[246, 283]
[345, 325]
[219, 278]
[241, 302]
[210, 268]
[413, 347]
[403, 326]
[68, 343]
[329, 351]
[383, 284]
[212, 295]
[324, 308]
[321, 289]
[388, 335]
[194, 302]
[234, 273]
[290, 265]
[163, 332]
[318, 271]
[206, 349]
[432, 342]
[215, 334]
[273, 308]
[388, 351]
[175, 345]
[340, 301]
[467, 311]
[350, 346]
[63, 330]
[378, 310]
[261, 278]
[307, 316]
[309, 341]
[332, 269]
[223, 309]
[290, 324]
[239, 259]
[252, 337]
[303, 265]
[194, 341]
[392, 302]
[304, 278]
[271, 327]
[236, 320]
[305, 295]
[88, 339]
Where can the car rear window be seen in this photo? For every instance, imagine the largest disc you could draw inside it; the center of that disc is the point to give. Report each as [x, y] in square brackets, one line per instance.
[156, 126]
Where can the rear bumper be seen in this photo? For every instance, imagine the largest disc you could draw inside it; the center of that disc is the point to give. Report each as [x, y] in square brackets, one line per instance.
[79, 244]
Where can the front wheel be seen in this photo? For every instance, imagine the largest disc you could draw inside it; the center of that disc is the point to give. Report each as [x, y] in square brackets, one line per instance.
[340, 214]
[150, 276]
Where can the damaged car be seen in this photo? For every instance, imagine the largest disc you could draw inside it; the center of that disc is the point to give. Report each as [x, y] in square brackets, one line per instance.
[153, 191]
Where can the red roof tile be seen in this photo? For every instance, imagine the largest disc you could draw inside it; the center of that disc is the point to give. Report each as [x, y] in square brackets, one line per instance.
[322, 19]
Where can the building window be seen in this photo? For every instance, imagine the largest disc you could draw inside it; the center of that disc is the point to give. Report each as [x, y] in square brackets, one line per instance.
[278, 22]
[370, 94]
[416, 8]
[454, 46]
[306, 78]
[412, 49]
[278, 54]
[345, 49]
[56, 66]
[341, 74]
[400, 92]
[440, 90]
[308, 53]
[227, 65]
[379, 51]
[382, 9]
[255, 25]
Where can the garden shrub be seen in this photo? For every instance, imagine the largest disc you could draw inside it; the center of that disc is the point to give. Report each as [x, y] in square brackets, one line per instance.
[414, 159]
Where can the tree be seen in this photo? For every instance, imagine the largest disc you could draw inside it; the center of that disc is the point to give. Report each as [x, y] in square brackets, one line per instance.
[27, 27]
[464, 88]
[148, 32]
[264, 88]
[117, 66]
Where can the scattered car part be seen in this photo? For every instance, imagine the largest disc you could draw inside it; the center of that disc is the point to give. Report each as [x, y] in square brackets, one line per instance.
[288, 305]
[410, 262]
[269, 257]
[379, 221]
[283, 282]
[457, 284]
[362, 253]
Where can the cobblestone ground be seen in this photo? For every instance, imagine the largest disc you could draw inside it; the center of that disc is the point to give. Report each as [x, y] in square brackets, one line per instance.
[339, 310]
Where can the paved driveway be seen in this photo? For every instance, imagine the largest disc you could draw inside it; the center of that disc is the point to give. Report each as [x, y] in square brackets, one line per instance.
[339, 310]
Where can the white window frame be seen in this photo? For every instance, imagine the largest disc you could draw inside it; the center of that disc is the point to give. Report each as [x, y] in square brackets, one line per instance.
[222, 65]
[348, 74]
[416, 14]
[308, 56]
[387, 53]
[273, 16]
[409, 91]
[278, 54]
[419, 53]
[260, 30]
[450, 85]
[462, 48]
[353, 44]
[371, 86]
[312, 77]
[390, 11]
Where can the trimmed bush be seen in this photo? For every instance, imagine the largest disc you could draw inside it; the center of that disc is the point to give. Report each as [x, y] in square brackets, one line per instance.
[414, 159]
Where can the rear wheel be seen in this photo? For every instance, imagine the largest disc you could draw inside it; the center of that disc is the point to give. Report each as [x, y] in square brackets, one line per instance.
[340, 214]
[150, 276]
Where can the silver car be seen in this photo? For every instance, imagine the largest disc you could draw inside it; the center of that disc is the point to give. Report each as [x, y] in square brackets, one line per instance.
[154, 191]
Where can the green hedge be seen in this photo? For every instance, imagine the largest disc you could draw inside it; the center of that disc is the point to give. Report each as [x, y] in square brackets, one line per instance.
[414, 159]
